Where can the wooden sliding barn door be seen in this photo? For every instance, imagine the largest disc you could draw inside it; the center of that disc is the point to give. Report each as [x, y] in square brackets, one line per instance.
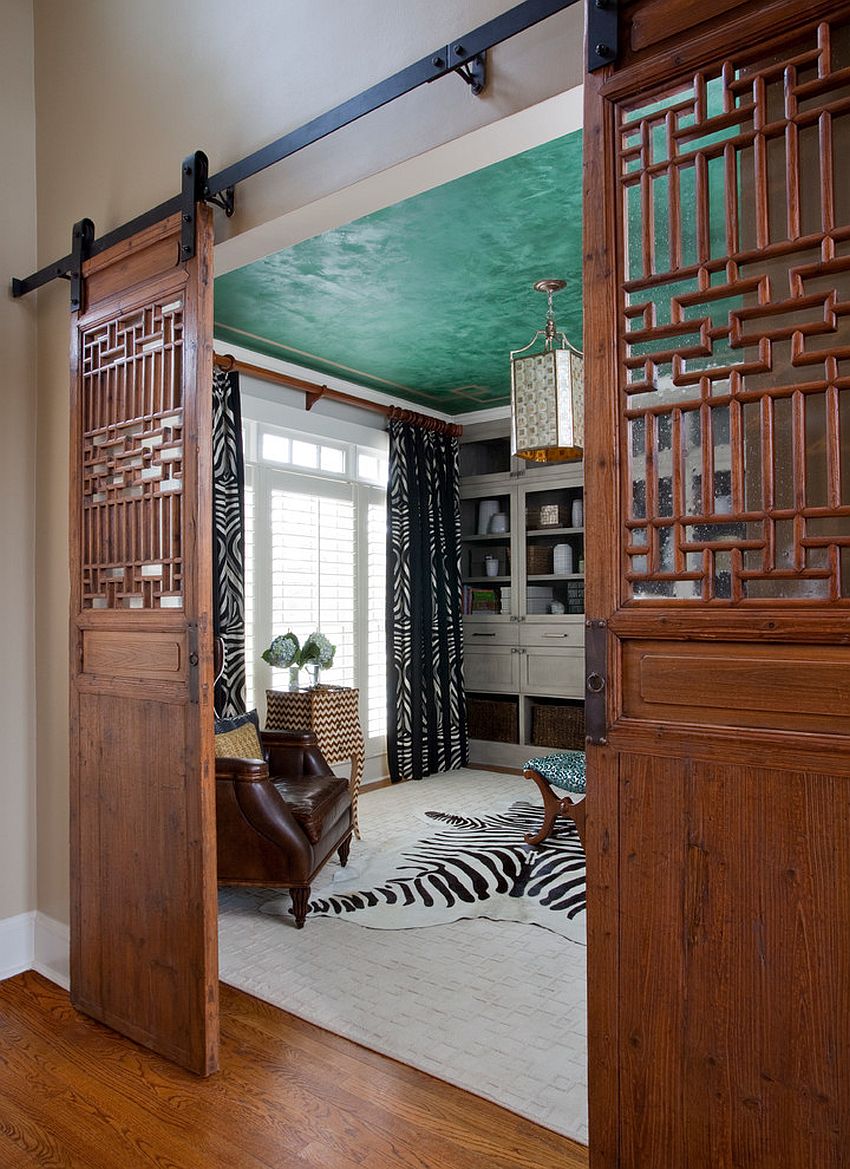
[143, 925]
[717, 304]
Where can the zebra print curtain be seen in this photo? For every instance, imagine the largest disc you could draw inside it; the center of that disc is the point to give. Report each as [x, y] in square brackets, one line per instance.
[426, 706]
[228, 542]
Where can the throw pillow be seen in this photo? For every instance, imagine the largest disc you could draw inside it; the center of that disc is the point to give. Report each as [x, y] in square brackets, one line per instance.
[238, 738]
[237, 720]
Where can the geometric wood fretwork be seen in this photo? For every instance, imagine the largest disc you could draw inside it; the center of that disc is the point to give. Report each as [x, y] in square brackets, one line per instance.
[132, 460]
[735, 373]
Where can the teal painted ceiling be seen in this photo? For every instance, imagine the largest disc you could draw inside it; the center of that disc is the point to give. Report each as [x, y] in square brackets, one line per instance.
[424, 300]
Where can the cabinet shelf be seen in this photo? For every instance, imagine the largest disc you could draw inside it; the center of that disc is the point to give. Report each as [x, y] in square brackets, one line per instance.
[536, 533]
[486, 538]
[553, 576]
[486, 580]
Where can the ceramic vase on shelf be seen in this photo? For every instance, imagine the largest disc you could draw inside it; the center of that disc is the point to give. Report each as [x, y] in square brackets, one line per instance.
[578, 513]
[562, 560]
[487, 508]
[313, 671]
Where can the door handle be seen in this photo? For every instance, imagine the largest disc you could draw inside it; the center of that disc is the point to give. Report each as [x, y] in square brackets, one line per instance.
[596, 656]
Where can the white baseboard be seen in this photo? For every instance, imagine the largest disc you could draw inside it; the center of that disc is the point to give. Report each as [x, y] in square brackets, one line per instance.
[34, 941]
[52, 956]
[17, 944]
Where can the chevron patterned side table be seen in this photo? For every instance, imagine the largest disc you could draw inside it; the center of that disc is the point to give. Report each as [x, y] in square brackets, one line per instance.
[332, 713]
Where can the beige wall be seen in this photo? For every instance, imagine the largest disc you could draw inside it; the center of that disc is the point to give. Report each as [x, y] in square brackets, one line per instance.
[125, 90]
[17, 464]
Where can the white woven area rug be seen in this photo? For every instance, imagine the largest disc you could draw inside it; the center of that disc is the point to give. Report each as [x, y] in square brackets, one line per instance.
[495, 1006]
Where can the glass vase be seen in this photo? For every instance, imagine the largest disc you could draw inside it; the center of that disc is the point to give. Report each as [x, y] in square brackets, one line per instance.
[293, 677]
[313, 671]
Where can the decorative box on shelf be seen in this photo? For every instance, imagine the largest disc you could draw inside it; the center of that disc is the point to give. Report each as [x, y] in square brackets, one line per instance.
[332, 713]
[548, 515]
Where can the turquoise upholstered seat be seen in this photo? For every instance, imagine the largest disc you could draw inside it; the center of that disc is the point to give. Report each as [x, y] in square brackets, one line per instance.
[565, 770]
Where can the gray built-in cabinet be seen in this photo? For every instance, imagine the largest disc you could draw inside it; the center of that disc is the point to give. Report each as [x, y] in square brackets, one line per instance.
[523, 572]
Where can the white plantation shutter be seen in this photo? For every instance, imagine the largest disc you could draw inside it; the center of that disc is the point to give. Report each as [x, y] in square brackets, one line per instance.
[315, 556]
[313, 569]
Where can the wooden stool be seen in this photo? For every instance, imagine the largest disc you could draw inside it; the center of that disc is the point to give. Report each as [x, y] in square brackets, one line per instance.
[566, 771]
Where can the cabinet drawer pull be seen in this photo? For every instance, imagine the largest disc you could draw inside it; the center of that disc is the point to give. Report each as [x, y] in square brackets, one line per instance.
[556, 635]
[484, 635]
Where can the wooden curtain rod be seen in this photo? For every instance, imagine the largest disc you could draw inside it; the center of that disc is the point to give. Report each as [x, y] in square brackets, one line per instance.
[315, 393]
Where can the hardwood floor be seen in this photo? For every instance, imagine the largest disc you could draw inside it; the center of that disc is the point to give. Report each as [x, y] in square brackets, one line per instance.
[73, 1095]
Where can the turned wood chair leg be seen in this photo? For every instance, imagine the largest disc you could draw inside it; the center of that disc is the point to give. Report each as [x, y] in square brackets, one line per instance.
[300, 899]
[578, 814]
[343, 852]
[551, 808]
[554, 806]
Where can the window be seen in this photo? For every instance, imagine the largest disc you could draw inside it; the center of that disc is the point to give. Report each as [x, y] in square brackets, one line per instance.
[315, 532]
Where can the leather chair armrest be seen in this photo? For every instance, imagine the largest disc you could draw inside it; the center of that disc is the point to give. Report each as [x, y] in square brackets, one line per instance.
[250, 770]
[287, 738]
[294, 754]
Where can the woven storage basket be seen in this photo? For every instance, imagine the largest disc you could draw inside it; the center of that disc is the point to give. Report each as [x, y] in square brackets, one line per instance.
[548, 515]
[493, 720]
[538, 560]
[557, 726]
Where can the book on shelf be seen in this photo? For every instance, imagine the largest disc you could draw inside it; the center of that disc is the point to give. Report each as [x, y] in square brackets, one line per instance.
[479, 600]
[575, 596]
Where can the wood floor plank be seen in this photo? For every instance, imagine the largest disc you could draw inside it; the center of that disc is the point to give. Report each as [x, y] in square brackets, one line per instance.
[98, 1124]
[412, 1098]
[76, 1096]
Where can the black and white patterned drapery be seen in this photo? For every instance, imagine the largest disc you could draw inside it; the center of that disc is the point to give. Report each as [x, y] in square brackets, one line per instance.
[228, 542]
[426, 707]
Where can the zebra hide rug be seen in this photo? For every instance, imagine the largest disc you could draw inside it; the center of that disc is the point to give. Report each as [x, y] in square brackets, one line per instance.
[470, 866]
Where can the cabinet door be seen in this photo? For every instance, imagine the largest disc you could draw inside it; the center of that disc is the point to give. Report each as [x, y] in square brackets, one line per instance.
[492, 668]
[488, 519]
[553, 671]
[551, 548]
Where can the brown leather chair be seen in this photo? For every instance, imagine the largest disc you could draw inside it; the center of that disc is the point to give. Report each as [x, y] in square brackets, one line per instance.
[279, 818]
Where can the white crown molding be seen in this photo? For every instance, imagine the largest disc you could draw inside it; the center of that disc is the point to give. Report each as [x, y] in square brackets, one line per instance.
[284, 393]
[491, 414]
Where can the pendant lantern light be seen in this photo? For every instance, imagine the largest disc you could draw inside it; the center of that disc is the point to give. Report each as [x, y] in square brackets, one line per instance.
[547, 393]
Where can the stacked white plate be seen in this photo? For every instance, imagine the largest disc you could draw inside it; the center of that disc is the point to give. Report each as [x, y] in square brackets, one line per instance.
[538, 598]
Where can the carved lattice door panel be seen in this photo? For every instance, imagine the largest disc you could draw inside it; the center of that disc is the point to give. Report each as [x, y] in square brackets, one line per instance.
[718, 343]
[143, 943]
